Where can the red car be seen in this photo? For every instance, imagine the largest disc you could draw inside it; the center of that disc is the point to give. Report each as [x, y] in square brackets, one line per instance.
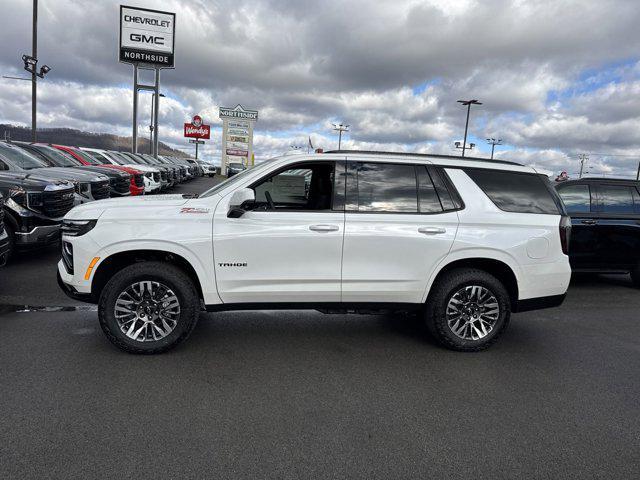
[137, 177]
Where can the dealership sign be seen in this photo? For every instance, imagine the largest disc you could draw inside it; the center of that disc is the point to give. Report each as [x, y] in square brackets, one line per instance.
[238, 112]
[147, 37]
[196, 129]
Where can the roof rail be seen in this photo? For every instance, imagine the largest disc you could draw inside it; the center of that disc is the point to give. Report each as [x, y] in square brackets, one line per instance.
[424, 155]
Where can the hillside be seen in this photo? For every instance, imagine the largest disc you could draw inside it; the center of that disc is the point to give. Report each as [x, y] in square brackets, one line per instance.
[78, 138]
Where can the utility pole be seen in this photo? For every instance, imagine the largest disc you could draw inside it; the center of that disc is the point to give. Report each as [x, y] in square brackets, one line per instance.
[340, 128]
[468, 104]
[34, 77]
[493, 142]
[584, 157]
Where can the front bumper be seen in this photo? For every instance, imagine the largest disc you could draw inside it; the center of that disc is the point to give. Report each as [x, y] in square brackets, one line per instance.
[72, 293]
[4, 246]
[40, 235]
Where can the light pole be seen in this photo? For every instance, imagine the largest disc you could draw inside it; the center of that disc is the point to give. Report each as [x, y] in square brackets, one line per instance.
[468, 104]
[584, 157]
[493, 142]
[153, 101]
[339, 127]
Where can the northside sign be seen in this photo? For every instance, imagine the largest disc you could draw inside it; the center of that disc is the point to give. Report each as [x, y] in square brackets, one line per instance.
[147, 37]
[196, 129]
[238, 112]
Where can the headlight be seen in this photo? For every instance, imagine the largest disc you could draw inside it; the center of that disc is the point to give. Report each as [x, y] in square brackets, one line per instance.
[18, 195]
[84, 188]
[76, 228]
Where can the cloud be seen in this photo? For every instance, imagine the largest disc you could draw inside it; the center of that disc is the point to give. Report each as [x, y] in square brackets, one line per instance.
[555, 77]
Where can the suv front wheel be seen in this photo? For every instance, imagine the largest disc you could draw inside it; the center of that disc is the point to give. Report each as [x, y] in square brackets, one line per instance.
[467, 310]
[148, 307]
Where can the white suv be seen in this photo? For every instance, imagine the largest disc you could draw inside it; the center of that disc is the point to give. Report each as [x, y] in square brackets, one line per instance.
[463, 242]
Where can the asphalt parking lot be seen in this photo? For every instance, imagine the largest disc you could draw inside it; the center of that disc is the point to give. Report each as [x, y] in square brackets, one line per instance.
[305, 395]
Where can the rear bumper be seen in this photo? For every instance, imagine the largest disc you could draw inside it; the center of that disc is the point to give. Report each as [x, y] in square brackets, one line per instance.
[41, 235]
[539, 303]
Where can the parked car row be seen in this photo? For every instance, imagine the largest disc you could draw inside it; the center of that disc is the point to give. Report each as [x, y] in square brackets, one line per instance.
[40, 183]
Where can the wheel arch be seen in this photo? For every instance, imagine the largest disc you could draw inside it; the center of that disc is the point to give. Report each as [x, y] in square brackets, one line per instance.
[496, 267]
[117, 261]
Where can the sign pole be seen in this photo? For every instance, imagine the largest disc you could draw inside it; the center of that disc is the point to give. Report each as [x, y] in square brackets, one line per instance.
[156, 101]
[134, 146]
[196, 150]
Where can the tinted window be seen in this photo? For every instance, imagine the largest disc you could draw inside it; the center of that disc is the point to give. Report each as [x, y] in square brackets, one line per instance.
[307, 186]
[443, 191]
[577, 198]
[428, 200]
[616, 199]
[514, 191]
[386, 187]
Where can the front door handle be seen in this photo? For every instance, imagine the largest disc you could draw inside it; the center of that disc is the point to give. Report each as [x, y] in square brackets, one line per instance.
[324, 228]
[588, 222]
[432, 230]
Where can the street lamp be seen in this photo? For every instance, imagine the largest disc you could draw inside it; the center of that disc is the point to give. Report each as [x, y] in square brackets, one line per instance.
[339, 127]
[468, 104]
[153, 102]
[460, 146]
[493, 142]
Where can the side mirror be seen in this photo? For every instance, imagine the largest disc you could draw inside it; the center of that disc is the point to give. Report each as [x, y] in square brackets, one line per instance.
[238, 199]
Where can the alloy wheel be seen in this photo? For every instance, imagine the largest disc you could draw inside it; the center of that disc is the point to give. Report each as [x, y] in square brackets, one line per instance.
[147, 311]
[472, 312]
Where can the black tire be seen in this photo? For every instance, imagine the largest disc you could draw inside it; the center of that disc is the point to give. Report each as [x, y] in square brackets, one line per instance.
[443, 291]
[166, 274]
[635, 276]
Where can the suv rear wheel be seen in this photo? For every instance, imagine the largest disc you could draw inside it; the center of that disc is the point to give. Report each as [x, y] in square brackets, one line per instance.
[148, 307]
[468, 310]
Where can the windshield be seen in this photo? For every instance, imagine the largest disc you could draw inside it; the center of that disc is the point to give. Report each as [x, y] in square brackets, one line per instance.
[20, 158]
[121, 159]
[57, 157]
[235, 179]
[87, 158]
[98, 157]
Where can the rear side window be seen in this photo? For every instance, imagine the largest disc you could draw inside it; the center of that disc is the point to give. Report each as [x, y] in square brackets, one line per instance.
[515, 191]
[617, 199]
[387, 187]
[576, 198]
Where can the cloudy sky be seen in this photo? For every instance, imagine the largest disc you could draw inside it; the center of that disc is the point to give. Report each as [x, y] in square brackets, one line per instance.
[556, 77]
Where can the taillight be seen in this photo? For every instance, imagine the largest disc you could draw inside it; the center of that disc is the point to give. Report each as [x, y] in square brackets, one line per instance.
[565, 233]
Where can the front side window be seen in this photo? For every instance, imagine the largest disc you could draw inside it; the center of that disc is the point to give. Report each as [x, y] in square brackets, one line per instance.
[616, 199]
[387, 187]
[305, 187]
[576, 198]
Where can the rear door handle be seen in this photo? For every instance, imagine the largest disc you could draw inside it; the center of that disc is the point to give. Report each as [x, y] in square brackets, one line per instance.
[324, 228]
[432, 230]
[588, 222]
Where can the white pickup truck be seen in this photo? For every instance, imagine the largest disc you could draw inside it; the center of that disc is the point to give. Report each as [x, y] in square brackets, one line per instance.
[463, 242]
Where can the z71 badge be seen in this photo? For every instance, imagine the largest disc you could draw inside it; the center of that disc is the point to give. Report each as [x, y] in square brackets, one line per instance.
[194, 210]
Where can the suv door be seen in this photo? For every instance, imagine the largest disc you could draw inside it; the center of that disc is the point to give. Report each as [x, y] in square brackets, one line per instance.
[288, 246]
[396, 231]
[618, 226]
[584, 249]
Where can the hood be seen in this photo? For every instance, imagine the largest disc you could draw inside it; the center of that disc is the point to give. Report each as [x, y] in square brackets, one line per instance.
[105, 170]
[31, 180]
[71, 174]
[143, 168]
[93, 210]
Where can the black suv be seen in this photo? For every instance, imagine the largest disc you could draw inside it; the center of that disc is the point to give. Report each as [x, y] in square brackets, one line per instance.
[33, 208]
[605, 220]
[4, 238]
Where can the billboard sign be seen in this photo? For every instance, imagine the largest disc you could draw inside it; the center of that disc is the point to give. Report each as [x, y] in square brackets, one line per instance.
[147, 37]
[197, 129]
[237, 153]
